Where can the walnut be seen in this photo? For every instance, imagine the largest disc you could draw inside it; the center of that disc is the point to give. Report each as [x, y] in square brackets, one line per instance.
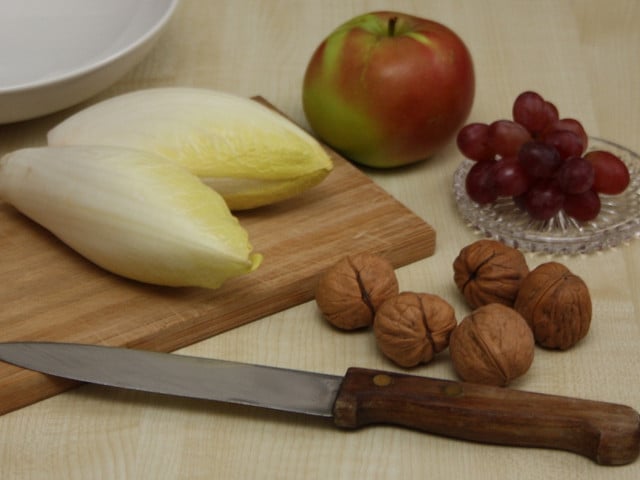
[556, 304]
[349, 292]
[493, 345]
[410, 328]
[488, 271]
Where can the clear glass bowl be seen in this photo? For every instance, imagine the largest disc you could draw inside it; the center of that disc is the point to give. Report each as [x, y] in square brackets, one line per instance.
[617, 223]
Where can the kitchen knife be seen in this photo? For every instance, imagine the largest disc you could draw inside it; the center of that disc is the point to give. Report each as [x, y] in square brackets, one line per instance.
[607, 433]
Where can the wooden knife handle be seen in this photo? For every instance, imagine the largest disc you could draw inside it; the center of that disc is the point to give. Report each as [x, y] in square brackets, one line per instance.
[607, 433]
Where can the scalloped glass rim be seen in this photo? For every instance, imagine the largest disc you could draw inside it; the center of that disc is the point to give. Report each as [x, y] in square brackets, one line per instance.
[617, 223]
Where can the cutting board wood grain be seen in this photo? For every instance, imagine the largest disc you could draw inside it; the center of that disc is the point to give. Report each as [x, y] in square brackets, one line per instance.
[48, 292]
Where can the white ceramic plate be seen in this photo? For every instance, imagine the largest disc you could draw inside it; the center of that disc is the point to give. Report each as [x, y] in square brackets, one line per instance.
[56, 53]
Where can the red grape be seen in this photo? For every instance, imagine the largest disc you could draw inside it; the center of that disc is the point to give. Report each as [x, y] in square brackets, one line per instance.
[551, 112]
[575, 175]
[582, 206]
[543, 200]
[472, 141]
[539, 160]
[480, 183]
[534, 113]
[571, 125]
[509, 177]
[567, 143]
[611, 175]
[506, 137]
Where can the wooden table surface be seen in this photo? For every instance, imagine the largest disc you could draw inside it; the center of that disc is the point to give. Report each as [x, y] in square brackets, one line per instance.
[581, 54]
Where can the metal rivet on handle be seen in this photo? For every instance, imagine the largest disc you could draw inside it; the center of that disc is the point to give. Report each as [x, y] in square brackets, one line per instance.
[382, 380]
[453, 390]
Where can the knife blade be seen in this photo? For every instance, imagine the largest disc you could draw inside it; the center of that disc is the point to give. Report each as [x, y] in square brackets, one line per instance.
[607, 433]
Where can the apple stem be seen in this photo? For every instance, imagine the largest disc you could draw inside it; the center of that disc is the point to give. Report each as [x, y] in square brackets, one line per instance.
[392, 26]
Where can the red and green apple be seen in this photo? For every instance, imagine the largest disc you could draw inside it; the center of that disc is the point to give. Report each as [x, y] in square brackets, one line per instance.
[387, 89]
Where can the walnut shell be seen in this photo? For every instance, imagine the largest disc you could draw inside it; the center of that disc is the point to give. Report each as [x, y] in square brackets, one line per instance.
[493, 345]
[410, 328]
[556, 304]
[488, 271]
[349, 292]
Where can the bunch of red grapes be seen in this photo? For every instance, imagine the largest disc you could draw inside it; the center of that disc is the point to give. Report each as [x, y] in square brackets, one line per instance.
[540, 160]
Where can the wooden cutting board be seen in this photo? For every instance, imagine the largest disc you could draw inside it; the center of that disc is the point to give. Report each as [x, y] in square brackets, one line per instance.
[50, 293]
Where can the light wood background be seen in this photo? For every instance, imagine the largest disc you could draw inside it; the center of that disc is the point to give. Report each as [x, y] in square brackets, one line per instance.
[584, 55]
